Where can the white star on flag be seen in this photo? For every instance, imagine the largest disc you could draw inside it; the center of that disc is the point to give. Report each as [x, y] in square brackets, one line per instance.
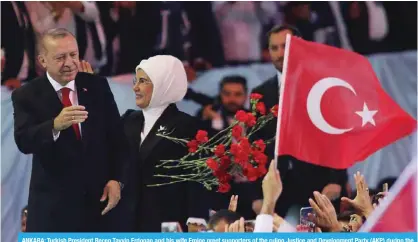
[367, 115]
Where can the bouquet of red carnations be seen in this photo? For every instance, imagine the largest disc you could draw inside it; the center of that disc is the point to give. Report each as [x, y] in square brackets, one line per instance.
[229, 153]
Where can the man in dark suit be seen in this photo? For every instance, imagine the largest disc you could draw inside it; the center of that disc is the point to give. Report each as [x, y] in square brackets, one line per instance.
[300, 179]
[69, 121]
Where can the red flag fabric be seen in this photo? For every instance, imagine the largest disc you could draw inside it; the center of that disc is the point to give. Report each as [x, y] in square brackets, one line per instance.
[333, 111]
[398, 212]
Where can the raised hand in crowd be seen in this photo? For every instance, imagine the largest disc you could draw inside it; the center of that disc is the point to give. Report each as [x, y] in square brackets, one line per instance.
[325, 216]
[237, 226]
[233, 204]
[85, 67]
[362, 202]
[272, 189]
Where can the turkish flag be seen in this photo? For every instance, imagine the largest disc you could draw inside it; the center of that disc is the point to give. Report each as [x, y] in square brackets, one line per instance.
[397, 212]
[333, 111]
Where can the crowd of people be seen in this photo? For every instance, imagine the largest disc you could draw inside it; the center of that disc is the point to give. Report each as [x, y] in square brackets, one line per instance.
[114, 35]
[82, 147]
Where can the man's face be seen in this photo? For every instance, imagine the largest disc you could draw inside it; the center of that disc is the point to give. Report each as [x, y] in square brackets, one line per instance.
[60, 58]
[277, 43]
[233, 97]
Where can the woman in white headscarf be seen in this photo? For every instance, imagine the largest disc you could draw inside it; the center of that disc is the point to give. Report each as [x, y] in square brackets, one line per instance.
[160, 82]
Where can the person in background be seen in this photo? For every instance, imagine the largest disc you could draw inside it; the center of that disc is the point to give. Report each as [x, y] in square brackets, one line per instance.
[18, 45]
[241, 26]
[74, 115]
[132, 30]
[24, 218]
[81, 18]
[220, 114]
[221, 219]
[315, 178]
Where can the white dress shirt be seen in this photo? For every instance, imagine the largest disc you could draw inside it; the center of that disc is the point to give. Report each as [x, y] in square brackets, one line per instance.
[150, 118]
[279, 76]
[73, 97]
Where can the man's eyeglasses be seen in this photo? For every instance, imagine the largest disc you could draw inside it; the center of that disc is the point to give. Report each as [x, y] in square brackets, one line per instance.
[141, 81]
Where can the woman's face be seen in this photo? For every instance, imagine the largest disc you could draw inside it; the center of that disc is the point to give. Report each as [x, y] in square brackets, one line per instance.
[143, 88]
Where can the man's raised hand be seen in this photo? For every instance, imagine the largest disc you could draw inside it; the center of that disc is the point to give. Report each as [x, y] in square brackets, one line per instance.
[69, 116]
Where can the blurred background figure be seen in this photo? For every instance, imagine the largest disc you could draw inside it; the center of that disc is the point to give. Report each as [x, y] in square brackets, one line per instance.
[81, 18]
[24, 218]
[18, 45]
[232, 97]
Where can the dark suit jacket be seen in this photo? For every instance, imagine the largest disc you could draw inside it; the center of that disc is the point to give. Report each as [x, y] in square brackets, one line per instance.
[300, 179]
[68, 176]
[15, 40]
[149, 206]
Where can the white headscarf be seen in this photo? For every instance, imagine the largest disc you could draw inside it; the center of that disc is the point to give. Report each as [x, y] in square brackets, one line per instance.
[169, 79]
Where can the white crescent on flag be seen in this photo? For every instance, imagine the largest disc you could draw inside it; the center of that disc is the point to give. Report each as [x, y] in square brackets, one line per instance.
[313, 104]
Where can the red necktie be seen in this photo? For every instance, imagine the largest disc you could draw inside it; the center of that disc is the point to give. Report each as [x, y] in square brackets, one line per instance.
[65, 91]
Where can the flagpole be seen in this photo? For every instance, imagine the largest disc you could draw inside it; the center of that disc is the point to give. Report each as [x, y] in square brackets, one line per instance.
[282, 86]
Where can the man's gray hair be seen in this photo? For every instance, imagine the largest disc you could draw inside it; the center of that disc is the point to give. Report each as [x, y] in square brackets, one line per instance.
[56, 33]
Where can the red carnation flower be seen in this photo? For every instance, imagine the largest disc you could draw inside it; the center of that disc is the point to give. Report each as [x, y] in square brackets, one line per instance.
[225, 162]
[261, 146]
[251, 173]
[251, 120]
[212, 164]
[192, 144]
[202, 136]
[259, 157]
[275, 110]
[234, 149]
[241, 116]
[220, 150]
[237, 132]
[256, 96]
[224, 187]
[242, 158]
[225, 178]
[245, 144]
[261, 108]
[261, 169]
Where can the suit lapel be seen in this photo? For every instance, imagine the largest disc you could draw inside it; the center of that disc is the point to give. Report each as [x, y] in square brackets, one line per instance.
[50, 97]
[83, 100]
[166, 120]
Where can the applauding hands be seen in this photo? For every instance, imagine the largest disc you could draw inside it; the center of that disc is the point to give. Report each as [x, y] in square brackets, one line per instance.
[362, 202]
